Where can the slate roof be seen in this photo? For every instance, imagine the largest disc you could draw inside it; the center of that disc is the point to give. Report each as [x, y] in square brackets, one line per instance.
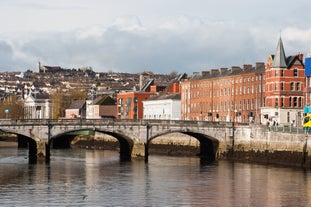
[77, 104]
[40, 95]
[178, 78]
[289, 60]
[147, 85]
[279, 60]
[229, 72]
[174, 96]
[106, 100]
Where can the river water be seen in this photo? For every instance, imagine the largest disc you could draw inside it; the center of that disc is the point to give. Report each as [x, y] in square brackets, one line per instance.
[79, 177]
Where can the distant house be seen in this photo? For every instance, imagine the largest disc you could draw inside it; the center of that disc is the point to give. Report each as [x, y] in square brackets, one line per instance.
[174, 85]
[166, 106]
[37, 106]
[76, 110]
[101, 107]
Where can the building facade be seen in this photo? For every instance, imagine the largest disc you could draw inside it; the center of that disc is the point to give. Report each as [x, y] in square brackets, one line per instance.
[37, 106]
[130, 105]
[76, 110]
[165, 106]
[285, 85]
[260, 93]
[234, 94]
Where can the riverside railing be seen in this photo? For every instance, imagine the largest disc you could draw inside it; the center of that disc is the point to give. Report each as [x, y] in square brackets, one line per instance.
[288, 129]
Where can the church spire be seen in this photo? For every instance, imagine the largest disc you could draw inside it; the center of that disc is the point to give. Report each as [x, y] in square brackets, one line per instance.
[279, 60]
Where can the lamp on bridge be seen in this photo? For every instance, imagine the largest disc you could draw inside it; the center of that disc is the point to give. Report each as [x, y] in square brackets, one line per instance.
[6, 111]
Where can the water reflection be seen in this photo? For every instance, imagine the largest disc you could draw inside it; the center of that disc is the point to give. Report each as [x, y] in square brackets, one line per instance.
[98, 178]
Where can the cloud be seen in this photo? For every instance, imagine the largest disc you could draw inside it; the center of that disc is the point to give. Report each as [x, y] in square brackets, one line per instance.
[9, 59]
[182, 43]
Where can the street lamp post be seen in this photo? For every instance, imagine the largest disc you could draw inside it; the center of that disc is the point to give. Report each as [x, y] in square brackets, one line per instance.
[148, 126]
[92, 108]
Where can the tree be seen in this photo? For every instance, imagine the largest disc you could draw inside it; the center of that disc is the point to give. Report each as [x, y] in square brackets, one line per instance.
[12, 108]
[62, 98]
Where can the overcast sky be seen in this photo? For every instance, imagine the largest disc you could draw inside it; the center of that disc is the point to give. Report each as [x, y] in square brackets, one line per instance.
[149, 35]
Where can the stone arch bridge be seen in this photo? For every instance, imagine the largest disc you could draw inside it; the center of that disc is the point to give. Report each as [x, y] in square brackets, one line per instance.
[134, 136]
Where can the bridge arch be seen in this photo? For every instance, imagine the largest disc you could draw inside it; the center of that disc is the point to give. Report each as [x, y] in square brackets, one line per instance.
[208, 145]
[125, 143]
[25, 141]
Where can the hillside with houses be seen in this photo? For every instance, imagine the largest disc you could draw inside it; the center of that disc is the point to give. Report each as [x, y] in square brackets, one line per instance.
[54, 92]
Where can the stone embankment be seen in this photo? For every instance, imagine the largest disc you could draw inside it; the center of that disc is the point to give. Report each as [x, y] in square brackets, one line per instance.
[259, 144]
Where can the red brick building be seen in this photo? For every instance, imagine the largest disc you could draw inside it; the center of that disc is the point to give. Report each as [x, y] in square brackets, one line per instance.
[130, 104]
[247, 94]
[285, 84]
[234, 94]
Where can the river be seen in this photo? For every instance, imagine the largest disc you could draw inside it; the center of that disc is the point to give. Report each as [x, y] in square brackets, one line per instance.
[79, 177]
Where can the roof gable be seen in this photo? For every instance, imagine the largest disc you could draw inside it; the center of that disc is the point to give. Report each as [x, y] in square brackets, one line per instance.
[294, 60]
[106, 100]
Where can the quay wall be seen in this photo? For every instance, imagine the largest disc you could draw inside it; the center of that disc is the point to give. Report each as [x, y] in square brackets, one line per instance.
[259, 144]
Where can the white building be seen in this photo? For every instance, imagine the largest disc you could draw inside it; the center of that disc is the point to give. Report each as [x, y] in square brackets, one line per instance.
[37, 106]
[163, 107]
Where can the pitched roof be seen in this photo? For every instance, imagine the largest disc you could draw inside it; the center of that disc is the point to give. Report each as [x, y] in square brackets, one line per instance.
[106, 100]
[178, 78]
[77, 104]
[147, 85]
[279, 60]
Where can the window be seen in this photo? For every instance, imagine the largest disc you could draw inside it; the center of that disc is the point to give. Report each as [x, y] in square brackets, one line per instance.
[135, 109]
[276, 102]
[282, 86]
[290, 101]
[282, 73]
[295, 101]
[295, 72]
[282, 102]
[292, 86]
[288, 117]
[298, 86]
[276, 86]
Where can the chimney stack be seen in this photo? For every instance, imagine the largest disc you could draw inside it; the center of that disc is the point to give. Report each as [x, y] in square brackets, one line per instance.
[247, 66]
[259, 65]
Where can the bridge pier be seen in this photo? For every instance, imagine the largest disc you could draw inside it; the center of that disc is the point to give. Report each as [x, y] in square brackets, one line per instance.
[39, 151]
[138, 150]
